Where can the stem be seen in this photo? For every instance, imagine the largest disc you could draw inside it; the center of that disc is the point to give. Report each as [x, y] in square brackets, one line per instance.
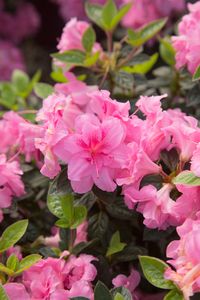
[103, 78]
[128, 58]
[109, 41]
[72, 239]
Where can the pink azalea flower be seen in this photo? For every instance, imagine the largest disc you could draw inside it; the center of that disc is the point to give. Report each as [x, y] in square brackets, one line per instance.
[16, 291]
[71, 37]
[130, 282]
[96, 148]
[195, 161]
[187, 44]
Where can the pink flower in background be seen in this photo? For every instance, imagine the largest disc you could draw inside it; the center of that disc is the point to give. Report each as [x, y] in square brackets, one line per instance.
[195, 162]
[11, 58]
[19, 25]
[72, 36]
[145, 11]
[187, 43]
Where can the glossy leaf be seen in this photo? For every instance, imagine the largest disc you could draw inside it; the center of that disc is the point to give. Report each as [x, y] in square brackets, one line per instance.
[80, 213]
[12, 262]
[13, 234]
[167, 52]
[174, 295]
[101, 292]
[88, 39]
[143, 67]
[75, 57]
[108, 13]
[27, 262]
[94, 13]
[124, 292]
[153, 269]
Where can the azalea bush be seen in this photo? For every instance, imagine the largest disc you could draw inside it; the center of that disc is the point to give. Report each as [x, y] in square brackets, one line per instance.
[100, 166]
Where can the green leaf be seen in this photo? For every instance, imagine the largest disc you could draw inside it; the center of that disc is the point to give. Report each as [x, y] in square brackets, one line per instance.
[143, 67]
[139, 37]
[62, 223]
[120, 14]
[58, 76]
[94, 13]
[187, 178]
[153, 269]
[98, 225]
[12, 262]
[36, 77]
[118, 297]
[7, 96]
[75, 57]
[108, 13]
[13, 234]
[20, 80]
[167, 52]
[101, 292]
[88, 39]
[174, 295]
[3, 295]
[80, 214]
[6, 270]
[124, 292]
[196, 75]
[43, 90]
[115, 244]
[91, 60]
[27, 262]
[67, 207]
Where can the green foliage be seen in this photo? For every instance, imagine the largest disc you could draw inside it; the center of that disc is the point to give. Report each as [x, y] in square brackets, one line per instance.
[153, 269]
[121, 293]
[101, 292]
[167, 52]
[73, 57]
[115, 245]
[187, 178]
[143, 67]
[141, 36]
[43, 90]
[12, 262]
[196, 75]
[27, 262]
[12, 234]
[3, 295]
[108, 16]
[88, 39]
[174, 295]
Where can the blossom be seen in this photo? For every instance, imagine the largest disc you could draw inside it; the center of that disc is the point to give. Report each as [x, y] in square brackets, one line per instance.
[11, 58]
[130, 282]
[195, 161]
[187, 44]
[144, 11]
[71, 37]
[16, 291]
[93, 153]
[184, 257]
[10, 181]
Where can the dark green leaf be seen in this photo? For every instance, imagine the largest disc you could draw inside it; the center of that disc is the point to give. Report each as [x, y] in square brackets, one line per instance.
[88, 39]
[75, 57]
[67, 207]
[154, 269]
[98, 224]
[129, 253]
[79, 298]
[13, 234]
[101, 292]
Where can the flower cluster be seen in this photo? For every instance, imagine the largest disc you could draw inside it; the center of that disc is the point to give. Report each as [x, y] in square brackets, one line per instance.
[184, 257]
[55, 278]
[187, 43]
[145, 11]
